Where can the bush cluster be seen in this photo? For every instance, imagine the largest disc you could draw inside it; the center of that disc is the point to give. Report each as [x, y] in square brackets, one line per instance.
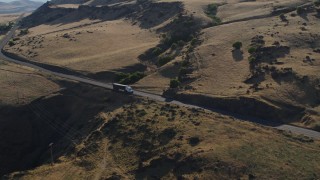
[252, 50]
[237, 45]
[162, 60]
[11, 43]
[24, 32]
[5, 27]
[129, 78]
[212, 10]
[156, 51]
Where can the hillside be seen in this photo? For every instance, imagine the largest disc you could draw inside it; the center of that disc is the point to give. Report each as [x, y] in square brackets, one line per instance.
[123, 137]
[20, 6]
[249, 59]
[189, 41]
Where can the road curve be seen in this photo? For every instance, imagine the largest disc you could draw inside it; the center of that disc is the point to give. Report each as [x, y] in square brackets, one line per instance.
[10, 34]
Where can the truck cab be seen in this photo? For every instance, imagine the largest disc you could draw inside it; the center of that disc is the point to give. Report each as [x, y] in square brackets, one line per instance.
[122, 88]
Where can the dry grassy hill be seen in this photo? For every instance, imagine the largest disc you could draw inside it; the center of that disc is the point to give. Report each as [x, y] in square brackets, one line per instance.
[5, 19]
[121, 137]
[192, 41]
[21, 85]
[98, 134]
[18, 6]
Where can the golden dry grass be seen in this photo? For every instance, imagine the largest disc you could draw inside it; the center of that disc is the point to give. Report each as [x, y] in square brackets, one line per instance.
[4, 18]
[149, 139]
[20, 85]
[92, 46]
[105, 46]
[223, 73]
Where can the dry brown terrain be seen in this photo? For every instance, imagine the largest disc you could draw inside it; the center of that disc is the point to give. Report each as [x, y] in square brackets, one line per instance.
[21, 85]
[4, 18]
[123, 137]
[115, 45]
[285, 72]
[98, 134]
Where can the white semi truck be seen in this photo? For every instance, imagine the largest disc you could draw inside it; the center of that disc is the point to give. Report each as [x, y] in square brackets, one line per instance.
[122, 88]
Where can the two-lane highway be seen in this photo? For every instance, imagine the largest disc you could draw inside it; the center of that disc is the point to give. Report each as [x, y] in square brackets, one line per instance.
[297, 130]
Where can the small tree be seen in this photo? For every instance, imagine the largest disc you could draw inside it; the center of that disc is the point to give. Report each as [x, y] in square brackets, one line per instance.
[162, 60]
[212, 9]
[11, 43]
[237, 45]
[24, 32]
[174, 83]
[156, 51]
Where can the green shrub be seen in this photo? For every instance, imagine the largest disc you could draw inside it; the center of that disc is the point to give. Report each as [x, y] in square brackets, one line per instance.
[5, 27]
[156, 51]
[252, 59]
[317, 2]
[11, 43]
[252, 50]
[129, 78]
[211, 12]
[120, 75]
[237, 45]
[162, 60]
[215, 19]
[212, 9]
[174, 83]
[141, 113]
[24, 32]
[194, 42]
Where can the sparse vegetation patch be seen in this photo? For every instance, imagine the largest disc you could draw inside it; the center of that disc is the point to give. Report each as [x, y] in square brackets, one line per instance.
[179, 33]
[129, 78]
[5, 27]
[11, 42]
[211, 11]
[23, 32]
[252, 50]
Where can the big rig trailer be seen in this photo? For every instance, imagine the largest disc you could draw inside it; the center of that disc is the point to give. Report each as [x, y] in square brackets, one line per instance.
[122, 88]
